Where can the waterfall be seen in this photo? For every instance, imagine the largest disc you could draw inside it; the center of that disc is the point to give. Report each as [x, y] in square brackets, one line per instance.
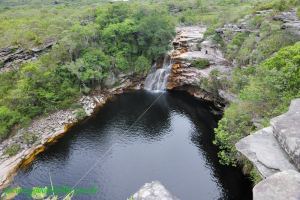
[157, 79]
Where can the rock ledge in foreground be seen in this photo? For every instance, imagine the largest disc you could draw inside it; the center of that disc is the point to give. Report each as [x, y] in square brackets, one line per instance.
[263, 150]
[280, 186]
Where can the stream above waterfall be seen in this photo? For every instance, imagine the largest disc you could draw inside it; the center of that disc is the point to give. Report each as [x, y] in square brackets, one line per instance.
[171, 143]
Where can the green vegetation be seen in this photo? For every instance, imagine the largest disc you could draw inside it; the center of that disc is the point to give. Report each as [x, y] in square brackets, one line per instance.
[29, 138]
[200, 63]
[80, 114]
[278, 5]
[251, 48]
[8, 118]
[213, 84]
[91, 44]
[12, 150]
[265, 93]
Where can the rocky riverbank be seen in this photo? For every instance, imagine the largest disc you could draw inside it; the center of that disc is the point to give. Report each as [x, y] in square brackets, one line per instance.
[45, 130]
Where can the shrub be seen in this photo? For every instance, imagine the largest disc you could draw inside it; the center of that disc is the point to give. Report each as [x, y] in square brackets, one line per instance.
[240, 78]
[201, 63]
[267, 93]
[213, 83]
[8, 118]
[235, 124]
[142, 64]
[80, 114]
[1, 64]
[12, 150]
[279, 5]
[235, 44]
[29, 138]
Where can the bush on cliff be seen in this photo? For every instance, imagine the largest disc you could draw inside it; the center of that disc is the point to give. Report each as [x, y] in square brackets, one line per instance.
[201, 63]
[12, 150]
[8, 118]
[268, 93]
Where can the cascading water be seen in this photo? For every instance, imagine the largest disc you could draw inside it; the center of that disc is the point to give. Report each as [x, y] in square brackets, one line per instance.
[158, 77]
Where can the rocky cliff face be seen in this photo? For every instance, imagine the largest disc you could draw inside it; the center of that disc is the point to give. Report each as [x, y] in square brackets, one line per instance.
[12, 57]
[275, 153]
[290, 21]
[190, 46]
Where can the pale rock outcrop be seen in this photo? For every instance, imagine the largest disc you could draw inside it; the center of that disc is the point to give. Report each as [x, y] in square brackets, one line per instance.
[153, 191]
[290, 21]
[45, 129]
[280, 186]
[189, 46]
[263, 150]
[275, 152]
[12, 57]
[275, 148]
[287, 131]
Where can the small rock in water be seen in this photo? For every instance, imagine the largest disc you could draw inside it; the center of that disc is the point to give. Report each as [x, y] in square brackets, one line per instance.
[153, 191]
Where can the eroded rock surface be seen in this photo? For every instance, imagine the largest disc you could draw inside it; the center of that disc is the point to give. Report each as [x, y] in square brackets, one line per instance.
[262, 149]
[290, 21]
[12, 57]
[189, 46]
[280, 186]
[276, 148]
[287, 131]
[153, 191]
[275, 152]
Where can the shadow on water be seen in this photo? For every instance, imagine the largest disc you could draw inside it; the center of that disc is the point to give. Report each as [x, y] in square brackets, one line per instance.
[171, 143]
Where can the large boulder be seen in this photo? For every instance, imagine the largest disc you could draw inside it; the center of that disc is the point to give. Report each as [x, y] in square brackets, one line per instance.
[280, 186]
[263, 150]
[287, 131]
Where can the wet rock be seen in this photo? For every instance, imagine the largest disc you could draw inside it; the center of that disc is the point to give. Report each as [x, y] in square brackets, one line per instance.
[153, 191]
[280, 186]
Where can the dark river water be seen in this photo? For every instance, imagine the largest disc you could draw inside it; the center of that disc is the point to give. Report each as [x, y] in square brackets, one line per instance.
[171, 143]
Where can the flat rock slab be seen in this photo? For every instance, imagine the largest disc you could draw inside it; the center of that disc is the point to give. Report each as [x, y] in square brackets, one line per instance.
[280, 186]
[287, 131]
[153, 191]
[265, 152]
